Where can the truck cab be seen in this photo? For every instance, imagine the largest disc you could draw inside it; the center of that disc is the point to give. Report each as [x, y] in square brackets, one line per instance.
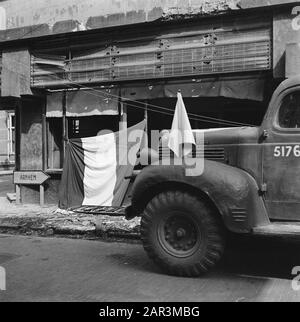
[250, 184]
[281, 154]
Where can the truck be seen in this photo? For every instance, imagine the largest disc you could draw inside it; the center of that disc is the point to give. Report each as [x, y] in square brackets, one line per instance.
[250, 185]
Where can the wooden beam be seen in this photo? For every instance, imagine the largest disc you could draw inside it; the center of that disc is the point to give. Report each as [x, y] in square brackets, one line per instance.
[18, 194]
[42, 195]
[124, 122]
[18, 135]
[44, 139]
[64, 120]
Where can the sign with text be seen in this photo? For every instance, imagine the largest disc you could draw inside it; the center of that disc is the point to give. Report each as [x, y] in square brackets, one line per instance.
[30, 177]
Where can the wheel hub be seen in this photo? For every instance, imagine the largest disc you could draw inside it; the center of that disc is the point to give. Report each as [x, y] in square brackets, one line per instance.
[179, 234]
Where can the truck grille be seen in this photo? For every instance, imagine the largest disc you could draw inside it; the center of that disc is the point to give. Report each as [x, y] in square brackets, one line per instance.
[210, 153]
[239, 215]
[215, 154]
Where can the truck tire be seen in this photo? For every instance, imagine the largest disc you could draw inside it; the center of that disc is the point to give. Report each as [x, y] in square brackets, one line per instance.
[182, 234]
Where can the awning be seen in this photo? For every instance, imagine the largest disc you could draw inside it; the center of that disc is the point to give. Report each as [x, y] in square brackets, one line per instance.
[245, 88]
[239, 88]
[84, 103]
[92, 102]
[105, 101]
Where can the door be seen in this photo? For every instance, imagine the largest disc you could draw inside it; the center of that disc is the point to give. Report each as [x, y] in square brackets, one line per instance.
[281, 160]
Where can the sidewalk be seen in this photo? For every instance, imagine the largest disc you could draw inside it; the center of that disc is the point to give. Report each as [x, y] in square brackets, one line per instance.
[49, 221]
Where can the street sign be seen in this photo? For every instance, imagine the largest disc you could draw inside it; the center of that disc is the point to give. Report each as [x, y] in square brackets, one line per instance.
[30, 177]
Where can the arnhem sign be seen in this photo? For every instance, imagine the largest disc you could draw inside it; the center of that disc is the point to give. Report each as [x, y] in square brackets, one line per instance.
[35, 178]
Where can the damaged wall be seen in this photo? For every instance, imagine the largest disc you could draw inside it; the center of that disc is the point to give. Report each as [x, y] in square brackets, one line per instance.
[285, 34]
[32, 18]
[34, 12]
[15, 74]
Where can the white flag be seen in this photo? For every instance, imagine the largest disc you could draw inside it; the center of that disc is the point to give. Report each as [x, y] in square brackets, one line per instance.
[181, 139]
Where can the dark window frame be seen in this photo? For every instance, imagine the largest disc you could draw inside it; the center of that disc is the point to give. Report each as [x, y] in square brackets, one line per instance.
[293, 115]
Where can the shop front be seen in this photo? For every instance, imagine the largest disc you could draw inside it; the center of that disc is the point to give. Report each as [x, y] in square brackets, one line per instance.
[82, 84]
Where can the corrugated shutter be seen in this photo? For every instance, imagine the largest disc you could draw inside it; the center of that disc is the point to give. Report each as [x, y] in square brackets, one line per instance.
[47, 69]
[222, 46]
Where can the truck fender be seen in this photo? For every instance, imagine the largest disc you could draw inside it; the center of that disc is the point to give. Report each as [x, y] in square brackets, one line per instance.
[232, 191]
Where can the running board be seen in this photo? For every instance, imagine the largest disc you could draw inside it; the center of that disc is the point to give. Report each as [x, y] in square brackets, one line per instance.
[279, 230]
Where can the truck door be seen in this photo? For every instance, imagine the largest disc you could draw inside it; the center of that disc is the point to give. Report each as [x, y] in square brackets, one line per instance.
[281, 160]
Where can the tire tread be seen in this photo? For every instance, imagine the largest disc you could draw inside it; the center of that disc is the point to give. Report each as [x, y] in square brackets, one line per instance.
[215, 247]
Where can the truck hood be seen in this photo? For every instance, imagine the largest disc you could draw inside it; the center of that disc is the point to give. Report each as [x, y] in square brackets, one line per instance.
[235, 135]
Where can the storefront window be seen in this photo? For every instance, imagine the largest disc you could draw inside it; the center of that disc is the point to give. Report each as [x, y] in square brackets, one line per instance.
[81, 127]
[55, 143]
[84, 127]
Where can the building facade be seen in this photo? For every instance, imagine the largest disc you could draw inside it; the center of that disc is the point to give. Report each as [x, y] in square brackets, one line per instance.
[7, 140]
[75, 68]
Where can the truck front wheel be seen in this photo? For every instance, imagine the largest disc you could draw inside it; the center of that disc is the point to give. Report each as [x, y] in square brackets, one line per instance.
[182, 234]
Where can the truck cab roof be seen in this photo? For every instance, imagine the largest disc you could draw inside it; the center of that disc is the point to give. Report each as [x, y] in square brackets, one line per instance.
[288, 83]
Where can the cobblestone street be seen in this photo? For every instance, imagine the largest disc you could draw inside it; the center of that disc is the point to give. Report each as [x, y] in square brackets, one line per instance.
[43, 269]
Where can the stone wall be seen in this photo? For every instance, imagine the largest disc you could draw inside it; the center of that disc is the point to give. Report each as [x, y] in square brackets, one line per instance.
[31, 18]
